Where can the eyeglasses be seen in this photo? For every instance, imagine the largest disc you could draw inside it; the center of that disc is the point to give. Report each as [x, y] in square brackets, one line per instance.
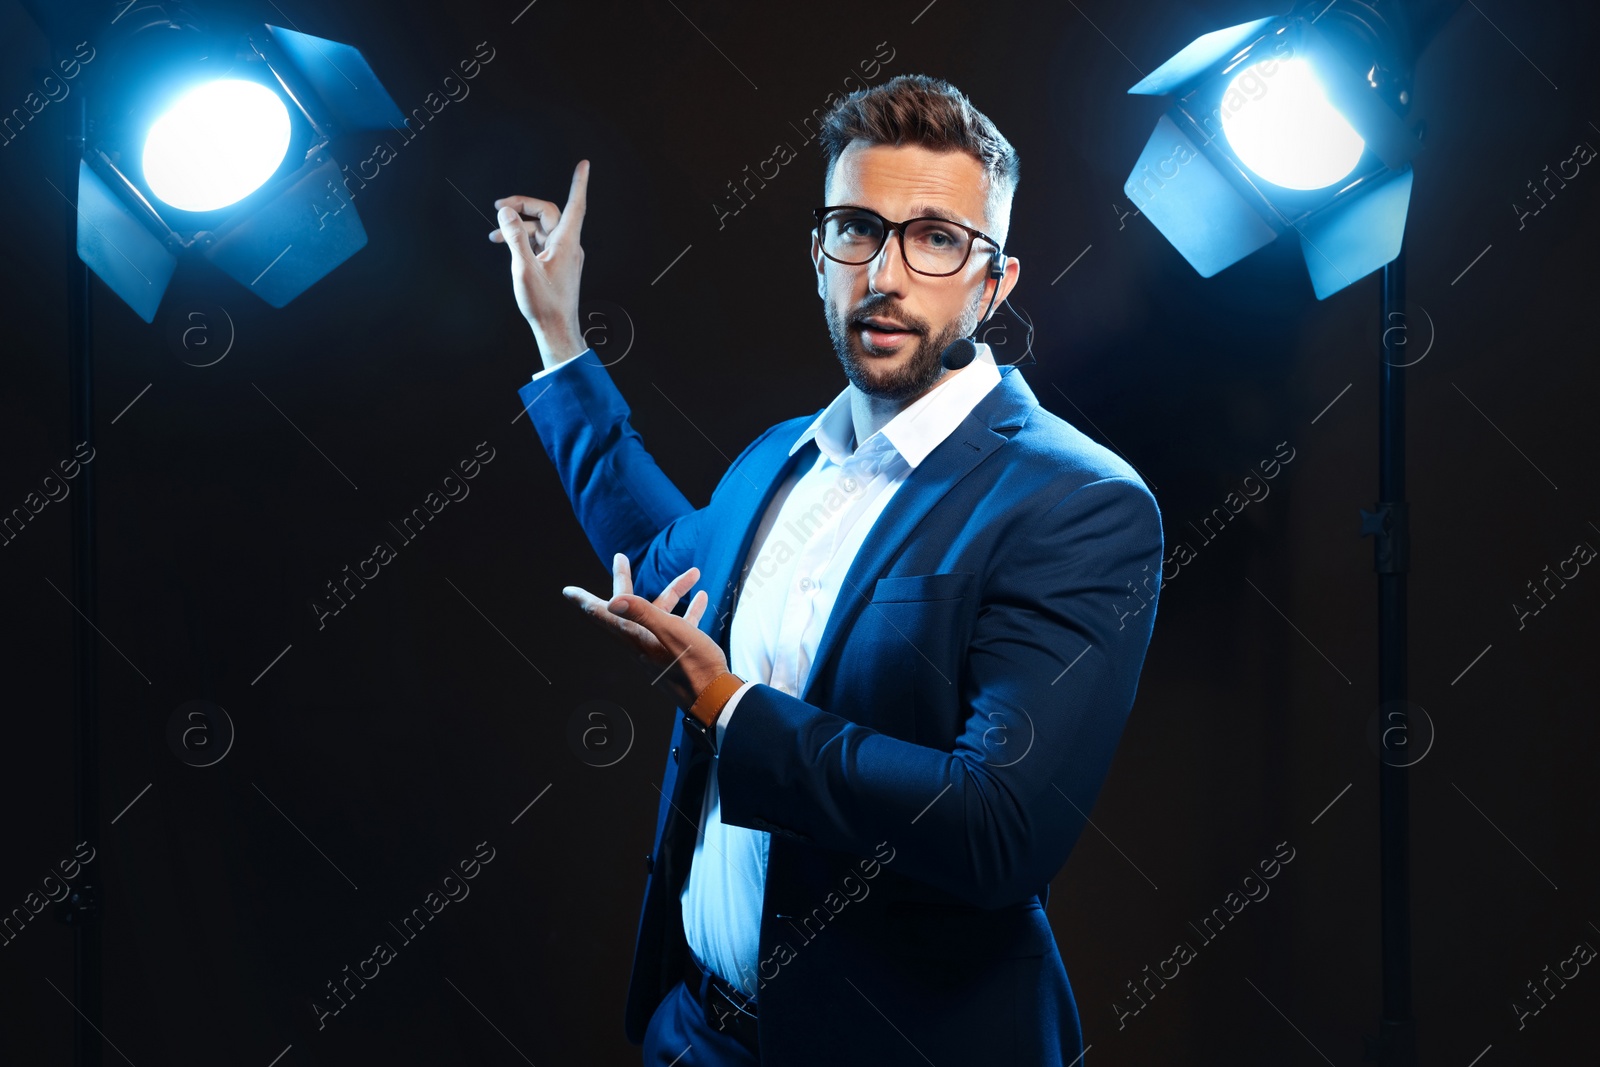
[932, 246]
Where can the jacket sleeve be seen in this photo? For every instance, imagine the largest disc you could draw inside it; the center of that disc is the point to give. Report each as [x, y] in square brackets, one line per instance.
[622, 499]
[1048, 679]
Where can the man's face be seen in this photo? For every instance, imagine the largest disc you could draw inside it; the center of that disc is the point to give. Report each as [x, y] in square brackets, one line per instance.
[889, 324]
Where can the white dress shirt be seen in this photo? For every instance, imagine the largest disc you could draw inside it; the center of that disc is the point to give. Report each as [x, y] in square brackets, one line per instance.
[803, 548]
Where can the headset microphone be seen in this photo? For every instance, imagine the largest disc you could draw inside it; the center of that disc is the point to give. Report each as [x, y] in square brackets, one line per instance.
[959, 353]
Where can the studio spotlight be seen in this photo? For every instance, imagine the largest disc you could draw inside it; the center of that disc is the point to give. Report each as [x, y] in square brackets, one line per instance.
[1287, 123]
[1292, 137]
[216, 144]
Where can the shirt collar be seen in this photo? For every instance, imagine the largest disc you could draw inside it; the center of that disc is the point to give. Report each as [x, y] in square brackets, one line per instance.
[915, 430]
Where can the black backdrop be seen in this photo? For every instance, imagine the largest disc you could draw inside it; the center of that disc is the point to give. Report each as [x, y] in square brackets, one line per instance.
[375, 753]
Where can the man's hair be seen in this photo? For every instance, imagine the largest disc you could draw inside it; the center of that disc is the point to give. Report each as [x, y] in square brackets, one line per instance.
[916, 109]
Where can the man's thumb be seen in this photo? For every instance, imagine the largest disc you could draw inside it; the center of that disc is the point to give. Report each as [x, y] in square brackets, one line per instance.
[516, 237]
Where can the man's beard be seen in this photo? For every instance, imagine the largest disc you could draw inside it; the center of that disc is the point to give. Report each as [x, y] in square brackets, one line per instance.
[867, 372]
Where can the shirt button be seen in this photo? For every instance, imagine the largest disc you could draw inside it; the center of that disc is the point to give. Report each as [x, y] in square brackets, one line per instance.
[849, 485]
[805, 583]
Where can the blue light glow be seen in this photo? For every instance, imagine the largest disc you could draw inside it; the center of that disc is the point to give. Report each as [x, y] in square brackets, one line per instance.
[1278, 120]
[216, 144]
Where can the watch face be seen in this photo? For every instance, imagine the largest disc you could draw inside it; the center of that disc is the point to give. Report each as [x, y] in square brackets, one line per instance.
[699, 730]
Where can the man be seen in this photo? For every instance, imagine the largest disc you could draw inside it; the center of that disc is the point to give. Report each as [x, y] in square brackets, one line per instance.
[928, 607]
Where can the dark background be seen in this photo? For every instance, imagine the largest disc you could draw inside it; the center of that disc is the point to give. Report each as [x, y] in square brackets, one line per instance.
[379, 751]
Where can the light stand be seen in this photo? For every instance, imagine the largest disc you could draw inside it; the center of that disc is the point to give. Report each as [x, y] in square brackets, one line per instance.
[1389, 525]
[80, 909]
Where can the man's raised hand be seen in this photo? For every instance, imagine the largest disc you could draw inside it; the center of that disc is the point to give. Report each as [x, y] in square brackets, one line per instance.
[546, 264]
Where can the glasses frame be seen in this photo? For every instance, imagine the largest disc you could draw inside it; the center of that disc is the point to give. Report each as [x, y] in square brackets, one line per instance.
[889, 228]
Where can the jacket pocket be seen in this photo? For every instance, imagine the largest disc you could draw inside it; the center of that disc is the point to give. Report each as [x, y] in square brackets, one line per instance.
[952, 585]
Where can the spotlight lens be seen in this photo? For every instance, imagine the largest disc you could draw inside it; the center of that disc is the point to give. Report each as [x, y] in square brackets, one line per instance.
[216, 144]
[1280, 123]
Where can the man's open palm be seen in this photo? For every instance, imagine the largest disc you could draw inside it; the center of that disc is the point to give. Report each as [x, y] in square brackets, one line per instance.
[682, 658]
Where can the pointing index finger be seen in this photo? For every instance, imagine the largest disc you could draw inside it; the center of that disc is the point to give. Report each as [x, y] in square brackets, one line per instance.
[577, 203]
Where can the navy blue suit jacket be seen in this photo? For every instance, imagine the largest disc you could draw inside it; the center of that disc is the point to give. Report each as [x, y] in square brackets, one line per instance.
[960, 716]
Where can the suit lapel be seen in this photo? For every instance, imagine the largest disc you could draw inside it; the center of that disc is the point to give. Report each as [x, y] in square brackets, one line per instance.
[975, 439]
[766, 469]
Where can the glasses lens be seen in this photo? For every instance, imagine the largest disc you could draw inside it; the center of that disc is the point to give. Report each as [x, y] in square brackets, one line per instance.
[936, 247]
[932, 246]
[852, 236]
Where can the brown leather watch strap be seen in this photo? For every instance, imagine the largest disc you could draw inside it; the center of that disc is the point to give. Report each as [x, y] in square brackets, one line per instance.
[708, 705]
